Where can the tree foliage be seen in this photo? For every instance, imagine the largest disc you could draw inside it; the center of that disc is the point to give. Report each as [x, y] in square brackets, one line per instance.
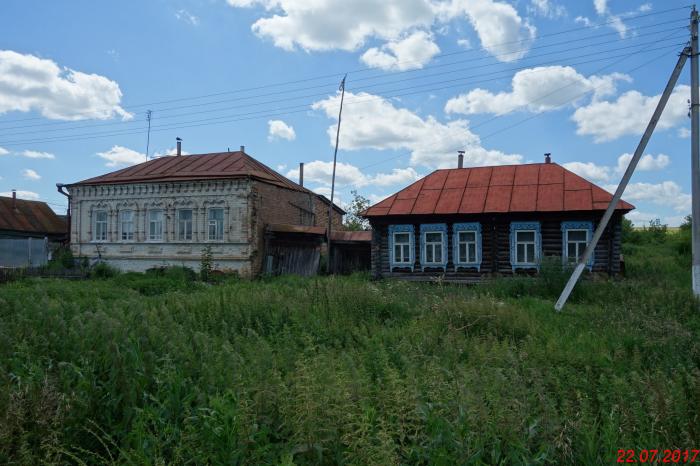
[353, 220]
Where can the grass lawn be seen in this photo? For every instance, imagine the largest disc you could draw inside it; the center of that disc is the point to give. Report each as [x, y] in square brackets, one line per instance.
[139, 369]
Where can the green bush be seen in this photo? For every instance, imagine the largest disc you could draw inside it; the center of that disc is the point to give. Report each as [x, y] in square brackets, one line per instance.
[103, 270]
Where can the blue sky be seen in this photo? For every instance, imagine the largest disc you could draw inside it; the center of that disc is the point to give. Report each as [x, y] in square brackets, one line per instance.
[505, 81]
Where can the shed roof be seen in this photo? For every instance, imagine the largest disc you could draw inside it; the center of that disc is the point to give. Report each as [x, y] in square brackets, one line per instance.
[220, 165]
[537, 187]
[30, 217]
[336, 235]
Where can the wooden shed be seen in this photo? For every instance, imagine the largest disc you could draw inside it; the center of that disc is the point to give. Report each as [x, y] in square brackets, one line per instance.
[464, 223]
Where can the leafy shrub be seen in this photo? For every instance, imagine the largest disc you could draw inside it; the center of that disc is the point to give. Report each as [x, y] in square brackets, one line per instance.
[206, 264]
[102, 270]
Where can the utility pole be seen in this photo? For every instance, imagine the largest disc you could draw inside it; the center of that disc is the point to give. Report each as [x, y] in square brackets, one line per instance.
[628, 174]
[148, 137]
[335, 158]
[695, 149]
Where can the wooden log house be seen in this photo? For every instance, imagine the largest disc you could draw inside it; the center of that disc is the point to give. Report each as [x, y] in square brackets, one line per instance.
[466, 223]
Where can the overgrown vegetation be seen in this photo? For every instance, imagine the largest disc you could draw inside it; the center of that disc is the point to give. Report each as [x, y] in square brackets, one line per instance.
[158, 368]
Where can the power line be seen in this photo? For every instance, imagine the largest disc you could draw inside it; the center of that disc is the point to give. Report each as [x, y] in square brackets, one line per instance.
[461, 80]
[360, 70]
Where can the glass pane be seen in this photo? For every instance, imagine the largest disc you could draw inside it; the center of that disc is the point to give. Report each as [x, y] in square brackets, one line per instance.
[467, 236]
[185, 214]
[433, 237]
[438, 254]
[401, 238]
[578, 235]
[463, 253]
[429, 254]
[571, 251]
[525, 235]
[216, 214]
[472, 252]
[397, 253]
[406, 253]
[530, 248]
[520, 253]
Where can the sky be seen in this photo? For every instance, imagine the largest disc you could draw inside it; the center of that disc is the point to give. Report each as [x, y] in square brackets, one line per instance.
[503, 80]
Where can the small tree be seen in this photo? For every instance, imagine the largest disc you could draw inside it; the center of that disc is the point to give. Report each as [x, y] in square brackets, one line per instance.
[353, 220]
[205, 264]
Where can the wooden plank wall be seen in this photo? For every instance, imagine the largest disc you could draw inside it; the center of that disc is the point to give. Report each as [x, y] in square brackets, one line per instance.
[495, 246]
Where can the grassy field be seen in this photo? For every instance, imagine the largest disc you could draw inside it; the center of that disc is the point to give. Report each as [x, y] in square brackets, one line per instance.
[142, 369]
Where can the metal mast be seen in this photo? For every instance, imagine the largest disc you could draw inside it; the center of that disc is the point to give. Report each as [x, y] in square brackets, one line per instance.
[628, 174]
[148, 136]
[335, 158]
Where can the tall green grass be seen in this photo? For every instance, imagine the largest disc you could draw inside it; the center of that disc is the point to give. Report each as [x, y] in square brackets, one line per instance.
[160, 369]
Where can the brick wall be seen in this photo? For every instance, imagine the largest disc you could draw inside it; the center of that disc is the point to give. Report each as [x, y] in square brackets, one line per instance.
[321, 211]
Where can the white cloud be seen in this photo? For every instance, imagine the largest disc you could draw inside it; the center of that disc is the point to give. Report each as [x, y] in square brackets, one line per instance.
[186, 16]
[31, 83]
[372, 122]
[547, 8]
[167, 153]
[666, 193]
[281, 167]
[629, 114]
[398, 176]
[29, 195]
[501, 30]
[339, 24]
[122, 156]
[589, 170]
[647, 163]
[33, 154]
[319, 171]
[683, 133]
[409, 53]
[30, 174]
[601, 6]
[4, 151]
[536, 89]
[464, 43]
[336, 24]
[278, 129]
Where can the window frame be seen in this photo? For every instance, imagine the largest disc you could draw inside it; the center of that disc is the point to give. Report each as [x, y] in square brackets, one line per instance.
[191, 223]
[425, 229]
[133, 225]
[534, 227]
[458, 228]
[217, 226]
[398, 229]
[149, 236]
[566, 227]
[95, 213]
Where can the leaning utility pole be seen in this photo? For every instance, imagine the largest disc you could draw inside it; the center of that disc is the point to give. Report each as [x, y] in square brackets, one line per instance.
[148, 136]
[630, 170]
[695, 149]
[335, 157]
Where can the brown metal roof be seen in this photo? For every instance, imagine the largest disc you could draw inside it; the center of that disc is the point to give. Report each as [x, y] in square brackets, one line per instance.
[537, 187]
[30, 217]
[220, 165]
[336, 235]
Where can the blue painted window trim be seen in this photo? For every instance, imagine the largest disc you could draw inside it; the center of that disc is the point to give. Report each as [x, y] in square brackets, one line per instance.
[520, 226]
[576, 225]
[456, 228]
[411, 247]
[433, 228]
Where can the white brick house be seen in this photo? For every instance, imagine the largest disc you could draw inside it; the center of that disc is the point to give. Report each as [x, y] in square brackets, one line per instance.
[168, 210]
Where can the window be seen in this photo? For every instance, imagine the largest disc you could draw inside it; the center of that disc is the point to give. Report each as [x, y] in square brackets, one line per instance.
[216, 224]
[126, 225]
[401, 246]
[184, 224]
[466, 245]
[100, 231]
[525, 245]
[434, 245]
[575, 238]
[155, 225]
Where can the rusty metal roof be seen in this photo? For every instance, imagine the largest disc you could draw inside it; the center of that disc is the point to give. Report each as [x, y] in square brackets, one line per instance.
[30, 217]
[537, 187]
[336, 235]
[221, 165]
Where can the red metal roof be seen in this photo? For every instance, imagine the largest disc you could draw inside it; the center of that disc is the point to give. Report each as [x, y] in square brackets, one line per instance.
[537, 187]
[30, 217]
[221, 165]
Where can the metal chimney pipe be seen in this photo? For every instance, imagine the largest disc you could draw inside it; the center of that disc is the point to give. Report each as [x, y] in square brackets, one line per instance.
[179, 146]
[243, 149]
[460, 159]
[547, 157]
[14, 199]
[301, 173]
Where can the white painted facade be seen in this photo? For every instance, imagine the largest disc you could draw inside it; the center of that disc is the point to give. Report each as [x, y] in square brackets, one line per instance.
[100, 226]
